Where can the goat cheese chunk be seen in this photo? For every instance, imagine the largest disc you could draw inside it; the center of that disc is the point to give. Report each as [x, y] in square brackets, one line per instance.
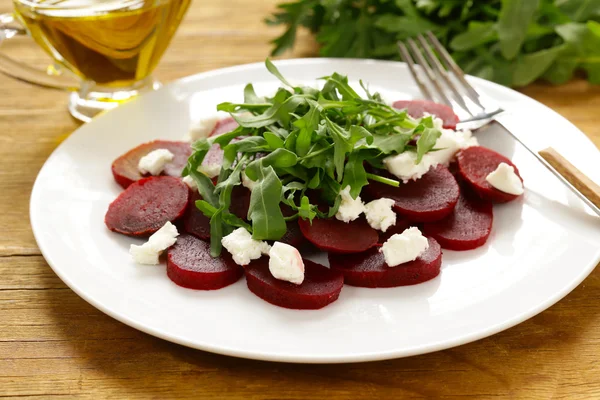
[404, 166]
[404, 247]
[188, 180]
[380, 215]
[506, 180]
[243, 248]
[154, 162]
[285, 263]
[149, 252]
[247, 182]
[202, 128]
[210, 170]
[350, 209]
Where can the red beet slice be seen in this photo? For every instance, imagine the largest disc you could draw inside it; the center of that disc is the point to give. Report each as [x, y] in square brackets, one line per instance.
[214, 156]
[467, 227]
[416, 109]
[125, 168]
[339, 237]
[475, 164]
[194, 221]
[370, 270]
[223, 126]
[321, 286]
[430, 198]
[146, 205]
[189, 264]
[240, 201]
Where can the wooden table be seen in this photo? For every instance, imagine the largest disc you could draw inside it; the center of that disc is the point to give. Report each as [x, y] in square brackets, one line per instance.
[55, 345]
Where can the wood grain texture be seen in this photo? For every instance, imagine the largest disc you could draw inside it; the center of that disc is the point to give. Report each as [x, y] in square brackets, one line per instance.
[53, 345]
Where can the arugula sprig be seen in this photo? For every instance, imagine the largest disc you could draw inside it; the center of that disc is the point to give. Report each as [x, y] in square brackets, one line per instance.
[300, 143]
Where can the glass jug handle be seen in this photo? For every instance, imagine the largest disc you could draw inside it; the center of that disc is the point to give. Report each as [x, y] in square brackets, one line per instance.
[10, 28]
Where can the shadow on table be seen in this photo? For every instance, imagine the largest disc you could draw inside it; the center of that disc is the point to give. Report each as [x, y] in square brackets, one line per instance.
[542, 355]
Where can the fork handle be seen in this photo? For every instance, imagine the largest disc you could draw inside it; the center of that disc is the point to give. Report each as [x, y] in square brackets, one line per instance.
[575, 177]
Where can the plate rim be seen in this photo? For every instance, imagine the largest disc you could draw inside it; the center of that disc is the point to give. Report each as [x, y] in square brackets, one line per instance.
[294, 358]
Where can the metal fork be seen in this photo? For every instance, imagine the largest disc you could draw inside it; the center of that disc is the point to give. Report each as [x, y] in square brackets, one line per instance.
[443, 81]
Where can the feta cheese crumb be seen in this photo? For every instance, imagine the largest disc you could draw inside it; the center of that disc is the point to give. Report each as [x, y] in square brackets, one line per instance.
[243, 248]
[379, 214]
[404, 247]
[350, 209]
[202, 128]
[505, 179]
[210, 170]
[448, 144]
[404, 166]
[247, 182]
[161, 240]
[188, 180]
[285, 263]
[155, 161]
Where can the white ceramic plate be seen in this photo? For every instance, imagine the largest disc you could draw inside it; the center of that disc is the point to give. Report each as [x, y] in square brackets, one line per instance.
[542, 246]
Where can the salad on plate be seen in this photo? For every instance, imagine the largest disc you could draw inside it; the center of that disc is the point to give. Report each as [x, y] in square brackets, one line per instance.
[380, 187]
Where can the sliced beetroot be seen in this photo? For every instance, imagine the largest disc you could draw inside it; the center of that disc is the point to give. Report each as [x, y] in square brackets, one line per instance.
[223, 126]
[475, 164]
[321, 286]
[467, 227]
[146, 205]
[417, 108]
[125, 168]
[338, 236]
[214, 156]
[399, 227]
[189, 264]
[430, 198]
[194, 221]
[240, 201]
[370, 270]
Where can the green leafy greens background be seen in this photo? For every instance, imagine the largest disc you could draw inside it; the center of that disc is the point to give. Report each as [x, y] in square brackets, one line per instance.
[512, 42]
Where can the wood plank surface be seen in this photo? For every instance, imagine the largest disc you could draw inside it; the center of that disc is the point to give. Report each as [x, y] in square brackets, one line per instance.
[55, 345]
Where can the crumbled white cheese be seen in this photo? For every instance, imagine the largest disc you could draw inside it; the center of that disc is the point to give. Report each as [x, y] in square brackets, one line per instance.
[247, 182]
[404, 166]
[404, 247]
[505, 179]
[285, 263]
[210, 170]
[188, 180]
[161, 240]
[243, 248]
[350, 209]
[202, 128]
[379, 214]
[155, 161]
[447, 145]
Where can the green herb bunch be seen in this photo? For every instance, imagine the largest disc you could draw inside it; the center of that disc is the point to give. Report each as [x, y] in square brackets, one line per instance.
[302, 139]
[512, 42]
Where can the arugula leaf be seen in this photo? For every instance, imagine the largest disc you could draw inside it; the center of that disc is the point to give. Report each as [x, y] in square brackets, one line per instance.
[267, 220]
[355, 175]
[341, 146]
[426, 142]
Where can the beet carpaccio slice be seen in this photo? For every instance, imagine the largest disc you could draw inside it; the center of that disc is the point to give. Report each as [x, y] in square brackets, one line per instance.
[338, 236]
[370, 270]
[321, 286]
[194, 221]
[475, 164]
[146, 205]
[189, 264]
[430, 198]
[417, 108]
[125, 168]
[467, 227]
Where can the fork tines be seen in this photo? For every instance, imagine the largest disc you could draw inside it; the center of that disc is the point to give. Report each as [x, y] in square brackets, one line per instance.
[440, 74]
